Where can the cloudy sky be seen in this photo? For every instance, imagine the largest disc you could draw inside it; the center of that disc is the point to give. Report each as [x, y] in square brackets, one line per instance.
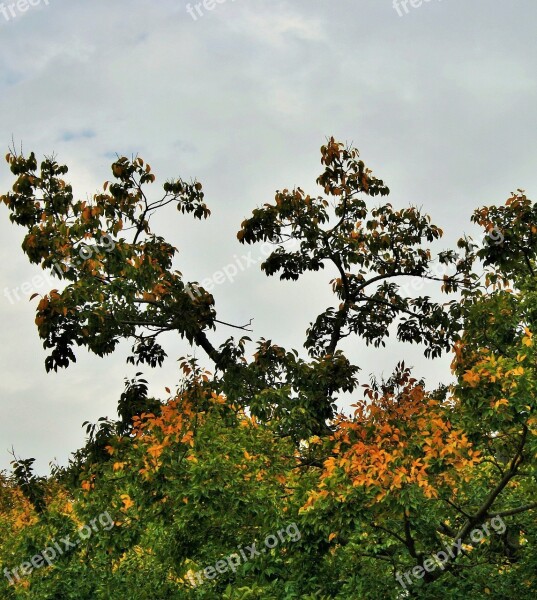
[441, 101]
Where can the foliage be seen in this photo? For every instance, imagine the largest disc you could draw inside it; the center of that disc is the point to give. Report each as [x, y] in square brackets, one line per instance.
[256, 445]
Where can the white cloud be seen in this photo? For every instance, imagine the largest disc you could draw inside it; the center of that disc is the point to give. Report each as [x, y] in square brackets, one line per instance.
[243, 98]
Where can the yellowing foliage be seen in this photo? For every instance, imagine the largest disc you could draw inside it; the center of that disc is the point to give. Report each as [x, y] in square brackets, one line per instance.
[395, 441]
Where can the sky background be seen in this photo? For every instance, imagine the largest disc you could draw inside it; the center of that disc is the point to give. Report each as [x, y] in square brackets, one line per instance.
[441, 102]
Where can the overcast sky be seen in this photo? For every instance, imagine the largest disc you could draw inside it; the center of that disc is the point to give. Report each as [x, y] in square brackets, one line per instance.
[441, 101]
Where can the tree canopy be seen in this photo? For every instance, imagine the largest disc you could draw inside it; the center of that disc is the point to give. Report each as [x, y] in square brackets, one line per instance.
[417, 493]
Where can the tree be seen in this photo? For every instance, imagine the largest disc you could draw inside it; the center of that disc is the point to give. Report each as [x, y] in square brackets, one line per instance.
[257, 445]
[128, 288]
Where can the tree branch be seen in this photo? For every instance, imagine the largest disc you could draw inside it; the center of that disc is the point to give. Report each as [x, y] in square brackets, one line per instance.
[513, 511]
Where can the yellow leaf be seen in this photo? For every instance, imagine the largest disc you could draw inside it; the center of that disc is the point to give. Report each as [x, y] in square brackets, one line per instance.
[332, 536]
[471, 378]
[127, 502]
[155, 450]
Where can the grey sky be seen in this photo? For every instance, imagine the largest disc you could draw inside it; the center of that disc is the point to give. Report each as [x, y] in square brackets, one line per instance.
[441, 103]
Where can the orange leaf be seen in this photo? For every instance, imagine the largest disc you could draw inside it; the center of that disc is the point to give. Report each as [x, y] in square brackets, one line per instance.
[127, 502]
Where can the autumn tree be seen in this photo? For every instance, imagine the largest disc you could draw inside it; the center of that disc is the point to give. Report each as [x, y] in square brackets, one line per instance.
[129, 289]
[253, 440]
